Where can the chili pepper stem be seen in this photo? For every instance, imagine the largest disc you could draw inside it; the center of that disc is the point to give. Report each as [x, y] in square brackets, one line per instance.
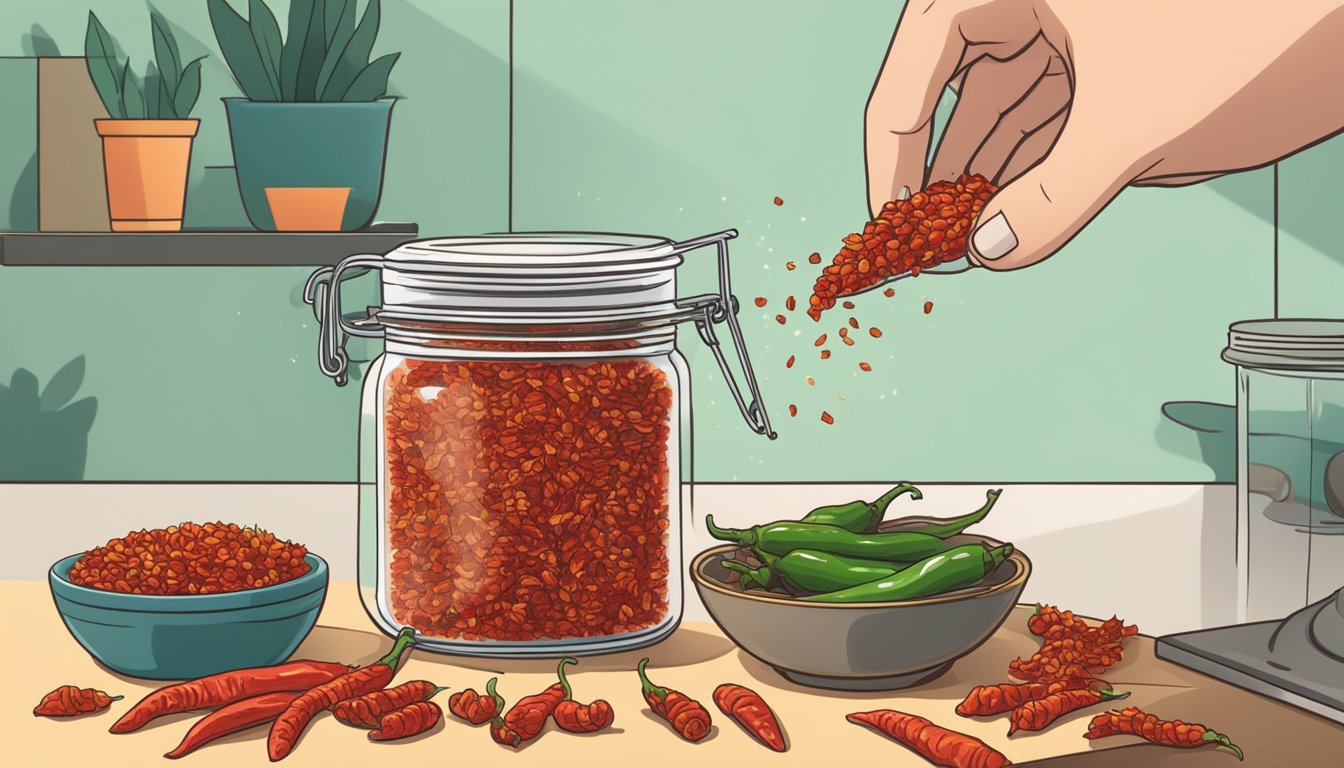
[743, 538]
[405, 639]
[490, 689]
[644, 680]
[1110, 695]
[560, 673]
[116, 698]
[1213, 737]
[885, 500]
[957, 525]
[436, 692]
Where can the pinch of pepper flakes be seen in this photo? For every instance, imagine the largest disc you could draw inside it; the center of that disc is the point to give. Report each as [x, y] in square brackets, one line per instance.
[779, 200]
[928, 307]
[853, 323]
[790, 303]
[789, 362]
[789, 265]
[760, 301]
[876, 333]
[793, 409]
[847, 305]
[780, 319]
[820, 340]
[889, 292]
[865, 367]
[825, 354]
[811, 382]
[815, 258]
[827, 418]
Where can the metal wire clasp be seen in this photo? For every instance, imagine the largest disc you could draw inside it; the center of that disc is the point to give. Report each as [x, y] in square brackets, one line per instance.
[712, 309]
[323, 293]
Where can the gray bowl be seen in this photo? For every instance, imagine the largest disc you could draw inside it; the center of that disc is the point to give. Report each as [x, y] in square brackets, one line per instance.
[860, 646]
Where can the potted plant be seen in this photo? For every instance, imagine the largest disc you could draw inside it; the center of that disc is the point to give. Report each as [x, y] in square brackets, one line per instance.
[310, 136]
[148, 133]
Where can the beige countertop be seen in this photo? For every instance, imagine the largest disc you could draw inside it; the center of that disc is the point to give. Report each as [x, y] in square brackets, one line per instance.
[41, 655]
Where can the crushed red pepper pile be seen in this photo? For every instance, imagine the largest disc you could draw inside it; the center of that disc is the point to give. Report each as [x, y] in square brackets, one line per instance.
[929, 228]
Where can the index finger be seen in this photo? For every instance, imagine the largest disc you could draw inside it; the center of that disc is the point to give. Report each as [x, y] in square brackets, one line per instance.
[924, 54]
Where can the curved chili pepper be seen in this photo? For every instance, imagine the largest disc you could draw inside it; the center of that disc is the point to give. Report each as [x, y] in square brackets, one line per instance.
[69, 700]
[366, 711]
[996, 699]
[686, 715]
[580, 718]
[475, 708]
[235, 717]
[749, 710]
[524, 721]
[1168, 733]
[414, 718]
[861, 516]
[955, 525]
[783, 537]
[956, 568]
[1039, 714]
[934, 743]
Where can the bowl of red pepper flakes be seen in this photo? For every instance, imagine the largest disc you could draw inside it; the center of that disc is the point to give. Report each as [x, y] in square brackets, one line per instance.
[191, 600]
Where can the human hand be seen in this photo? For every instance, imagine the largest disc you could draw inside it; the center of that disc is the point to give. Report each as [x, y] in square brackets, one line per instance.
[1065, 102]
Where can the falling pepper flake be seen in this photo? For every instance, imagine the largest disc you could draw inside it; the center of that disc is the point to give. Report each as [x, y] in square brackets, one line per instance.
[789, 265]
[848, 341]
[789, 363]
[848, 305]
[820, 340]
[928, 307]
[790, 303]
[825, 354]
[889, 292]
[842, 397]
[876, 333]
[828, 418]
[780, 319]
[815, 258]
[853, 323]
[779, 200]
[811, 382]
[865, 367]
[760, 301]
[793, 409]
[844, 332]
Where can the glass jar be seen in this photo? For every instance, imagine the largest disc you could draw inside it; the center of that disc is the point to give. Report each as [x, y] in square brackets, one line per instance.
[521, 437]
[1290, 463]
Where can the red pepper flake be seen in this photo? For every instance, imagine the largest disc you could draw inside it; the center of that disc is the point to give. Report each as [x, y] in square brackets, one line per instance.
[779, 200]
[820, 340]
[865, 367]
[825, 354]
[928, 307]
[789, 265]
[826, 417]
[844, 332]
[793, 409]
[876, 333]
[789, 303]
[853, 323]
[789, 364]
[848, 341]
[889, 292]
[780, 319]
[848, 305]
[760, 301]
[811, 382]
[814, 258]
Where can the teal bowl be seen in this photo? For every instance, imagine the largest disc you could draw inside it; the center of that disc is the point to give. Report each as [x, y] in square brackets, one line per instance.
[176, 637]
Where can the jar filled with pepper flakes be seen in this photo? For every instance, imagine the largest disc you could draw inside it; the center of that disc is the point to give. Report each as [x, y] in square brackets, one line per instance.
[521, 437]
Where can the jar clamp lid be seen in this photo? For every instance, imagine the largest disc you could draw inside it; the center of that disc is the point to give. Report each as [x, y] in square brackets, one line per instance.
[1286, 344]
[561, 281]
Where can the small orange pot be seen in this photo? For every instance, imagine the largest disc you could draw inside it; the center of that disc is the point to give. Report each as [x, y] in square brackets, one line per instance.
[307, 209]
[146, 163]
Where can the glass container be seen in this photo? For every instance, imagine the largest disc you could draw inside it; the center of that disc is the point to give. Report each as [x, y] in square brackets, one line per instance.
[520, 470]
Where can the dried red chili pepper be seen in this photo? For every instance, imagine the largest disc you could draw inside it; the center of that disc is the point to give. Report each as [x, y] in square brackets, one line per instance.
[235, 717]
[1037, 715]
[365, 711]
[1133, 721]
[410, 720]
[574, 717]
[934, 743]
[983, 700]
[524, 721]
[475, 708]
[686, 715]
[70, 700]
[746, 707]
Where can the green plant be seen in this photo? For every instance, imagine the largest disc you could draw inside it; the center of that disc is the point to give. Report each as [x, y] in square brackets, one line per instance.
[324, 58]
[169, 89]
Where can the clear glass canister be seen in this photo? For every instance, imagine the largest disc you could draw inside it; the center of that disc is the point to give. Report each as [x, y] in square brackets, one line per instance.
[521, 438]
[1290, 463]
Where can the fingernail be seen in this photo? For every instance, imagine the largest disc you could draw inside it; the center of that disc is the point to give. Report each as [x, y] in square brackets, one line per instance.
[903, 193]
[994, 239]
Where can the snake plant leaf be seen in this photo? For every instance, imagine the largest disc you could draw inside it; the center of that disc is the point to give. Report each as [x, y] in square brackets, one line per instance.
[266, 36]
[371, 83]
[167, 55]
[63, 385]
[132, 98]
[356, 55]
[189, 89]
[314, 53]
[340, 21]
[155, 93]
[234, 36]
[101, 59]
[300, 20]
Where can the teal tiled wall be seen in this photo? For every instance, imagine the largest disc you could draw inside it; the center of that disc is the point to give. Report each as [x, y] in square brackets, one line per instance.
[674, 119]
[1311, 241]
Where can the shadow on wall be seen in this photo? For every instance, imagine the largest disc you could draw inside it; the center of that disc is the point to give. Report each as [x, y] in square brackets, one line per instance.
[38, 42]
[43, 435]
[1203, 432]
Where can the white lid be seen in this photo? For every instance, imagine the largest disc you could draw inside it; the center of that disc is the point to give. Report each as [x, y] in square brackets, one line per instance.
[1287, 344]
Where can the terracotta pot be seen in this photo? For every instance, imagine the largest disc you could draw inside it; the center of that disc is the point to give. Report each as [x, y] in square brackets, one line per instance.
[307, 209]
[146, 163]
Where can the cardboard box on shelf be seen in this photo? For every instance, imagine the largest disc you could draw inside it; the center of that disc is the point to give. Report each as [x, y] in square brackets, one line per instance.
[72, 189]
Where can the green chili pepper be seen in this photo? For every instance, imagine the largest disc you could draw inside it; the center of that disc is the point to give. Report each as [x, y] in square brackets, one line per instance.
[783, 537]
[861, 516]
[815, 571]
[760, 578]
[956, 568]
[953, 525]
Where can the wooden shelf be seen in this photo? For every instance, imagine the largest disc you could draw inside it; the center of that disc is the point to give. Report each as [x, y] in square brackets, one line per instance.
[198, 248]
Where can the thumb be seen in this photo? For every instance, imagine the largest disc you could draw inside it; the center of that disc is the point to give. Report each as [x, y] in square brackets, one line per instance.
[1037, 213]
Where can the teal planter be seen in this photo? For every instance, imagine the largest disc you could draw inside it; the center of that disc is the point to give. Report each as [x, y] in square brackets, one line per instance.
[172, 637]
[302, 144]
